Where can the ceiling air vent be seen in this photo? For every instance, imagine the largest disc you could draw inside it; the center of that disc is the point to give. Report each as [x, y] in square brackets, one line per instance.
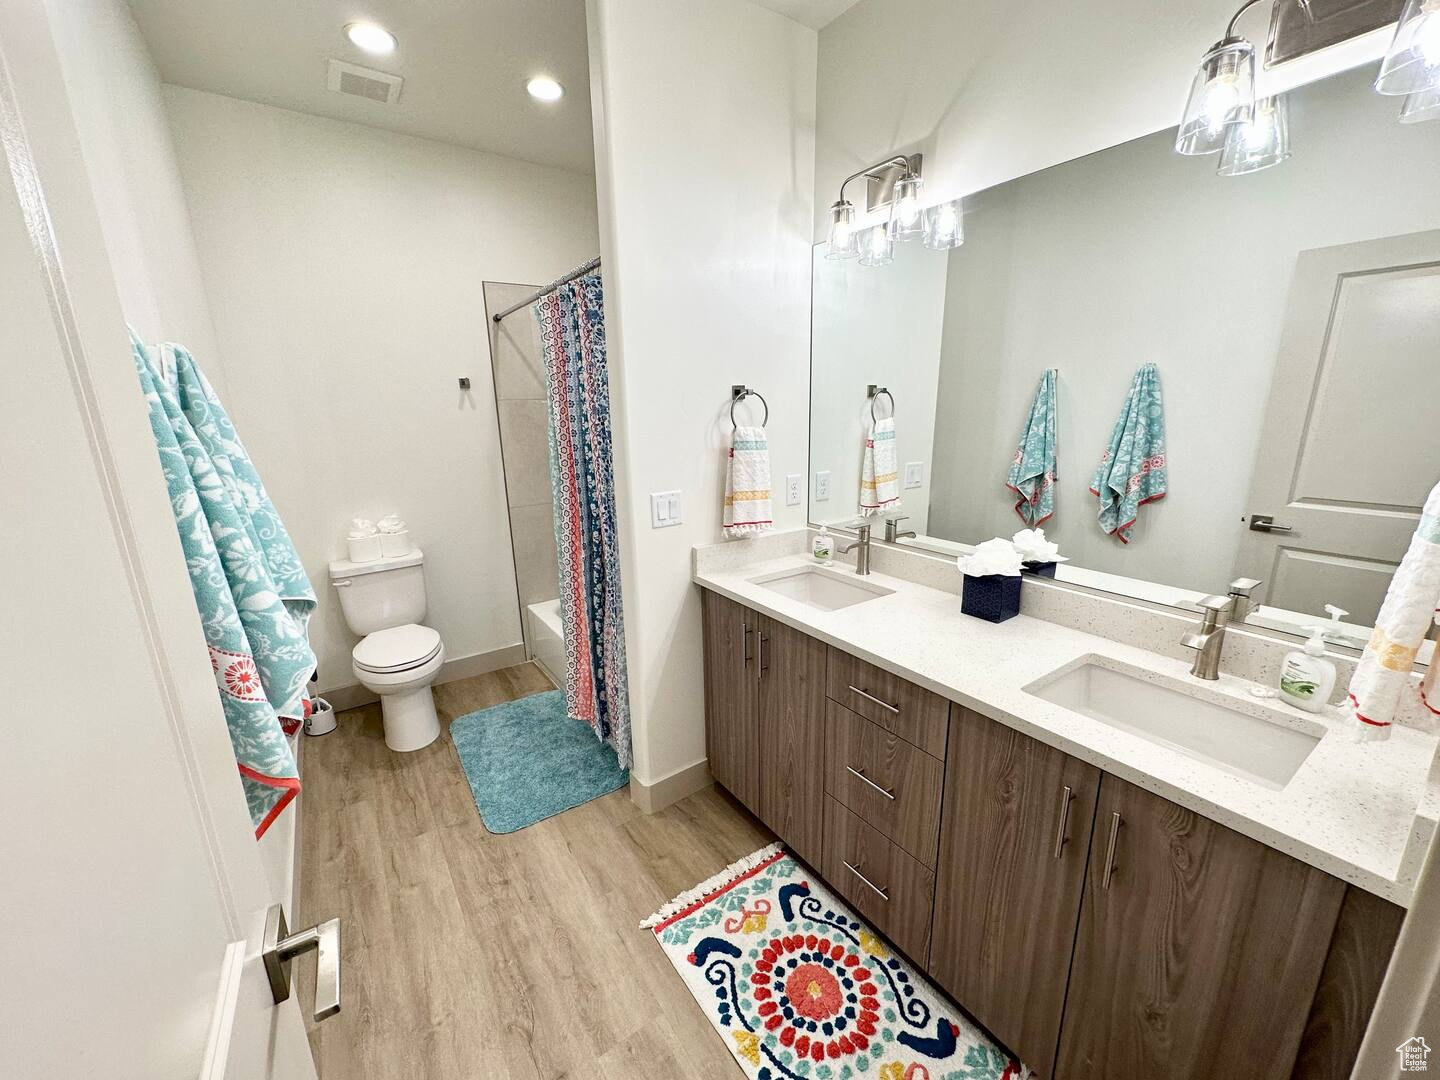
[364, 82]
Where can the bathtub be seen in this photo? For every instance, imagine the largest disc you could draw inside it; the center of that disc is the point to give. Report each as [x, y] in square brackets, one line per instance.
[547, 638]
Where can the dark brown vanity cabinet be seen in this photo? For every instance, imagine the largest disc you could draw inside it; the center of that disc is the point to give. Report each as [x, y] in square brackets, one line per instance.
[765, 719]
[1014, 839]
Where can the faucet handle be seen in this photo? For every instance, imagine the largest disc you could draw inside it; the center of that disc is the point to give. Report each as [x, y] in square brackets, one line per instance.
[1216, 603]
[1244, 586]
[863, 532]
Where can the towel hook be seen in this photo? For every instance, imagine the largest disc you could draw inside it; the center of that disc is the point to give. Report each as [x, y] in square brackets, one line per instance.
[739, 393]
[874, 392]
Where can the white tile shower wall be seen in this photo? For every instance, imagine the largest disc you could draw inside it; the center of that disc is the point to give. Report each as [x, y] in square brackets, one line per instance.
[344, 267]
[704, 116]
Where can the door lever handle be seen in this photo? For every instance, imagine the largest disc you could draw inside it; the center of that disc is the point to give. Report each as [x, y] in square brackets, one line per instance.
[281, 946]
[1266, 523]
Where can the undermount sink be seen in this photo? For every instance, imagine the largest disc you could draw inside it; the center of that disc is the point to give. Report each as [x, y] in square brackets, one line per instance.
[822, 589]
[1265, 751]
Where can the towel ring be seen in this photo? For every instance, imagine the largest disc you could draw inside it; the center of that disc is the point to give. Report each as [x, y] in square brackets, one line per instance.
[875, 392]
[739, 394]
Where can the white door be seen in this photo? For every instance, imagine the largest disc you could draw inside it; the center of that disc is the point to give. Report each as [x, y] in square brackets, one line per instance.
[1348, 450]
[131, 891]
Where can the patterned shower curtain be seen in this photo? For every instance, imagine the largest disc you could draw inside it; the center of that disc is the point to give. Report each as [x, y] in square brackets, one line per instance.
[582, 481]
[254, 598]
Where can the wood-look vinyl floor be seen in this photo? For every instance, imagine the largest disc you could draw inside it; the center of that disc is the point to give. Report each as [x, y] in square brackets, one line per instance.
[470, 955]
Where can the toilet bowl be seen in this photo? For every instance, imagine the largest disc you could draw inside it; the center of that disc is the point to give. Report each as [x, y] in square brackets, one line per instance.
[398, 658]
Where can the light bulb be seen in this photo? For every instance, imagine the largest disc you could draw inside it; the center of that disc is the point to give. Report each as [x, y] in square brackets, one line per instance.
[371, 38]
[905, 215]
[944, 226]
[1221, 95]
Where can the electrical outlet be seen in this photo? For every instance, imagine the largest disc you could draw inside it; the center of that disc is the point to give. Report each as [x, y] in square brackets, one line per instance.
[914, 473]
[822, 485]
[792, 489]
[665, 509]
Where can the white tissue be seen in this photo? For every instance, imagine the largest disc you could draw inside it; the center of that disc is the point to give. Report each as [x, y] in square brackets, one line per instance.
[997, 556]
[1031, 545]
[360, 528]
[390, 523]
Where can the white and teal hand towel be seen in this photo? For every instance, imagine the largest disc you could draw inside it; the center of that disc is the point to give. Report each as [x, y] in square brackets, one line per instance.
[254, 598]
[1032, 473]
[1132, 470]
[879, 475]
[747, 484]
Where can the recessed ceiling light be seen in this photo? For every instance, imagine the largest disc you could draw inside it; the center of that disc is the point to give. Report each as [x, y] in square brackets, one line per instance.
[371, 38]
[543, 88]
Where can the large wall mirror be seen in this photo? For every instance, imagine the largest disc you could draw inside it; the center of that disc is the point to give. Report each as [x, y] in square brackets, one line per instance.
[1292, 314]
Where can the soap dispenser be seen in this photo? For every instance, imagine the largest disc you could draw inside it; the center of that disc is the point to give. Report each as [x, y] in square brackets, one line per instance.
[822, 546]
[1306, 675]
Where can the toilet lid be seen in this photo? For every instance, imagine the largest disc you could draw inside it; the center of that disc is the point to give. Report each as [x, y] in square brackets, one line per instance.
[397, 648]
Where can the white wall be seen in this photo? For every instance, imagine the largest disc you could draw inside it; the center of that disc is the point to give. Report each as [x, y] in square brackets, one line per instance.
[993, 89]
[882, 325]
[344, 266]
[704, 151]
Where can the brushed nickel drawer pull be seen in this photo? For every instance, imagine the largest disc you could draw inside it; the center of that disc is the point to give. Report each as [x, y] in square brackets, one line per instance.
[875, 888]
[1065, 796]
[871, 697]
[1110, 850]
[857, 773]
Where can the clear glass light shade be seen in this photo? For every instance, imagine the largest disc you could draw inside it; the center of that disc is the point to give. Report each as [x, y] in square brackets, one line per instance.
[844, 240]
[1222, 94]
[1258, 143]
[1421, 107]
[907, 219]
[876, 246]
[1412, 63]
[944, 226]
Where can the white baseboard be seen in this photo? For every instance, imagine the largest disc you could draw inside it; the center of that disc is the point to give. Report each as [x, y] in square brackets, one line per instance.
[655, 797]
[464, 667]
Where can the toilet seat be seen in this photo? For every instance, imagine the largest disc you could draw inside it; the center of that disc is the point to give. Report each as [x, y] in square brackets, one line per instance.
[397, 649]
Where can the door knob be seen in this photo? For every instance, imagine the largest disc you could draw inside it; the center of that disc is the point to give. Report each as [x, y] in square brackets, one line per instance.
[1266, 523]
[281, 946]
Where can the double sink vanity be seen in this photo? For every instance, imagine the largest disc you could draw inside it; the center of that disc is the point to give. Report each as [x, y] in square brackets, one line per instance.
[1116, 868]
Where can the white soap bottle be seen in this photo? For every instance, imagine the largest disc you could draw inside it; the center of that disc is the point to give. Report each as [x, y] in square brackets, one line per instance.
[1306, 676]
[821, 546]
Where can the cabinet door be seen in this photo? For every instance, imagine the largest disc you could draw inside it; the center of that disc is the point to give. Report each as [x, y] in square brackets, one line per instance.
[732, 729]
[1014, 835]
[792, 736]
[1199, 949]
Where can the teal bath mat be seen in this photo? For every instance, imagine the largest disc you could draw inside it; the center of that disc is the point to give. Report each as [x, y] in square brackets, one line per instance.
[527, 761]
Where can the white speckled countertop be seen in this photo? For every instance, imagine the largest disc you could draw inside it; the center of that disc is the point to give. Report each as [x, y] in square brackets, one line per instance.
[1350, 810]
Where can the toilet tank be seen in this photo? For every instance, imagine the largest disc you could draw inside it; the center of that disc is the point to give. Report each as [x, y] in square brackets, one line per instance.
[381, 594]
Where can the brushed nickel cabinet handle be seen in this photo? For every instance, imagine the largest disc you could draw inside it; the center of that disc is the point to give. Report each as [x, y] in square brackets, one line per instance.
[871, 697]
[761, 666]
[875, 888]
[745, 633]
[857, 773]
[1115, 824]
[280, 947]
[1065, 796]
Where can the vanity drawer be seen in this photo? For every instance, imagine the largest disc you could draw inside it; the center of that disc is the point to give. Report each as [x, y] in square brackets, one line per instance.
[917, 716]
[889, 888]
[885, 781]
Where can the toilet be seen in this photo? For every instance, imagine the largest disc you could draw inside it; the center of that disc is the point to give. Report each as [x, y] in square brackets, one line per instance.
[398, 659]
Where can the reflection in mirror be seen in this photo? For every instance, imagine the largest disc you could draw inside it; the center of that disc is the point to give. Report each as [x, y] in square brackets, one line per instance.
[1293, 315]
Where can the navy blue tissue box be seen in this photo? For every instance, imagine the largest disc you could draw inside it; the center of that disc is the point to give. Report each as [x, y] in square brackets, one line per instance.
[1039, 569]
[993, 597]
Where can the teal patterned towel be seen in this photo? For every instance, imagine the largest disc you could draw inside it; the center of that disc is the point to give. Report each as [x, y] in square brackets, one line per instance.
[1132, 471]
[254, 598]
[1032, 473]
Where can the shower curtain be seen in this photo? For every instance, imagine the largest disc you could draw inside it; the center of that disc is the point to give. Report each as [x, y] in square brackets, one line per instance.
[582, 482]
[254, 598]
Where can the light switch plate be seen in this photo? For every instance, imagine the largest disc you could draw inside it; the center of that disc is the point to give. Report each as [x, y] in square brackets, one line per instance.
[792, 489]
[914, 473]
[822, 485]
[665, 509]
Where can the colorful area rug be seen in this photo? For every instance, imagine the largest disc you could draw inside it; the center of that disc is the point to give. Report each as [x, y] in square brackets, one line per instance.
[800, 989]
[526, 761]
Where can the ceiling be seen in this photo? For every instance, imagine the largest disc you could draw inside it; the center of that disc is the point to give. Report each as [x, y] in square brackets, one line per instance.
[465, 65]
[812, 13]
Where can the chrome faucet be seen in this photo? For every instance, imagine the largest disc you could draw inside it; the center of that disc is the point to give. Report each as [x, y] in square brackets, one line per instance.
[861, 547]
[892, 526]
[1207, 643]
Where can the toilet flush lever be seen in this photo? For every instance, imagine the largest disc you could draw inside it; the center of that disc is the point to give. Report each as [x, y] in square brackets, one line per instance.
[281, 946]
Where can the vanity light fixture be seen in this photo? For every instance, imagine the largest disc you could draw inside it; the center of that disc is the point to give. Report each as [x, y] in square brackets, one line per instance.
[1412, 63]
[844, 243]
[877, 247]
[1259, 142]
[544, 88]
[907, 219]
[945, 226]
[1222, 94]
[371, 37]
[1421, 107]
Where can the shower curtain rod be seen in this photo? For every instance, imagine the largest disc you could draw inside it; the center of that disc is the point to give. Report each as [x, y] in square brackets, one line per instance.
[585, 268]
